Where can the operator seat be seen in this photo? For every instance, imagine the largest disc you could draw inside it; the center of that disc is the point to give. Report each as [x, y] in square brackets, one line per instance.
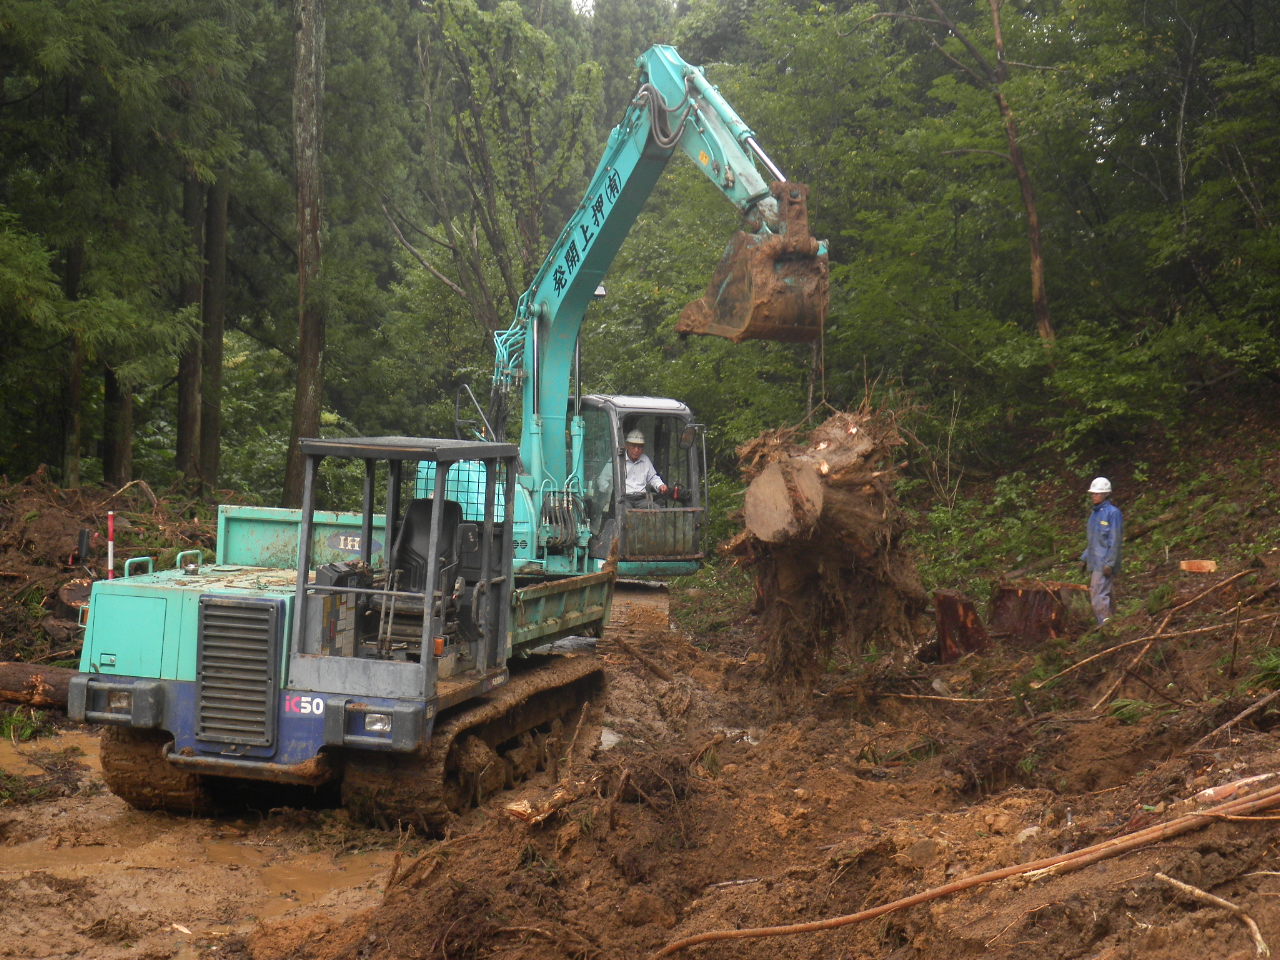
[411, 552]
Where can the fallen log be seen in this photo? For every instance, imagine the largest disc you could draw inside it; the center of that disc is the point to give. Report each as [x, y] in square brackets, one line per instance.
[35, 685]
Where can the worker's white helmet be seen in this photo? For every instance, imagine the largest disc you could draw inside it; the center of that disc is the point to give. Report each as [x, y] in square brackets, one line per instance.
[1100, 485]
[635, 436]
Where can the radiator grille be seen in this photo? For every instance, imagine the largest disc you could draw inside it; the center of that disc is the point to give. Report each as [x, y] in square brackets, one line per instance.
[238, 665]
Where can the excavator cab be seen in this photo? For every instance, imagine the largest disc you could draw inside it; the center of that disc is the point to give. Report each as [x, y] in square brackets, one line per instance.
[658, 533]
[768, 285]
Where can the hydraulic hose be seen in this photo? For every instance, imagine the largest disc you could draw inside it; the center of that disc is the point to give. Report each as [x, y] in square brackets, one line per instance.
[658, 113]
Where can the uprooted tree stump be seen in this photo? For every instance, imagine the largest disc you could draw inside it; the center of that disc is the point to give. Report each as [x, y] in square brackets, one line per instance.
[822, 536]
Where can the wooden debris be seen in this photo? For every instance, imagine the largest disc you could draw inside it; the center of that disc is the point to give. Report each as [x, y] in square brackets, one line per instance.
[658, 671]
[526, 811]
[1160, 632]
[1204, 896]
[1198, 566]
[72, 597]
[1242, 715]
[960, 629]
[1032, 611]
[36, 686]
[1225, 791]
[1038, 869]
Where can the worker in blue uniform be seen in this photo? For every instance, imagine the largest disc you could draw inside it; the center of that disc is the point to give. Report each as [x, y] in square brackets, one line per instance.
[1101, 557]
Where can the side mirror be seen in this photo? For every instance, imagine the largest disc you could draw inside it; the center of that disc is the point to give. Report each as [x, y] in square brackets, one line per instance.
[688, 435]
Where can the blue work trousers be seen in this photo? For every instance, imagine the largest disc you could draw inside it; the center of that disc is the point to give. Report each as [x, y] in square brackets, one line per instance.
[1100, 595]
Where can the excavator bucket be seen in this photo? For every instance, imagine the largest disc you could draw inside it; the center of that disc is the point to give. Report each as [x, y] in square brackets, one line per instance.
[767, 286]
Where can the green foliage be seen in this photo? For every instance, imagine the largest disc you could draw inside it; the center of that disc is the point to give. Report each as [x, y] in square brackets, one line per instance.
[1159, 598]
[16, 790]
[707, 602]
[1130, 711]
[964, 543]
[1266, 669]
[24, 723]
[1148, 136]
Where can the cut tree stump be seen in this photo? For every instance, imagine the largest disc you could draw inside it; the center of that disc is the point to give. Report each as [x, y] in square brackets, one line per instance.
[960, 629]
[34, 685]
[71, 598]
[1032, 611]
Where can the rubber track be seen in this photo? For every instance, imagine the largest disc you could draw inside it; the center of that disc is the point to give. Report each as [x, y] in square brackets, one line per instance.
[135, 770]
[427, 788]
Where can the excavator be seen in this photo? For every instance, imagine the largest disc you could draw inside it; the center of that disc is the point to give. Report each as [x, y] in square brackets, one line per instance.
[771, 284]
[405, 651]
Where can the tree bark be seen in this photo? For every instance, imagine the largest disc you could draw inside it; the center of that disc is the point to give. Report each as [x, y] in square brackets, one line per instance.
[991, 78]
[73, 379]
[1033, 611]
[960, 629]
[308, 107]
[214, 327]
[189, 363]
[1039, 295]
[822, 535]
[34, 685]
[117, 429]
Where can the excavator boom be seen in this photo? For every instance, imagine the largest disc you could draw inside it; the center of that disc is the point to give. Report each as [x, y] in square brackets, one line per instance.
[772, 283]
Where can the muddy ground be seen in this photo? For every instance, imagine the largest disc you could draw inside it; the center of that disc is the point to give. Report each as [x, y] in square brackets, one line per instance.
[708, 799]
[709, 803]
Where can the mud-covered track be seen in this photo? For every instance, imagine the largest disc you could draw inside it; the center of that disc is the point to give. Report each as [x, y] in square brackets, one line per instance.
[135, 769]
[477, 750]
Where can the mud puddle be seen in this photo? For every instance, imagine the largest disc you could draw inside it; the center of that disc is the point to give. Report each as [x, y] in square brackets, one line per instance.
[85, 875]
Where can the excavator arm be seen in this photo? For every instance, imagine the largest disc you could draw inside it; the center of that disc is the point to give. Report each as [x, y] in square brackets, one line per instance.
[772, 283]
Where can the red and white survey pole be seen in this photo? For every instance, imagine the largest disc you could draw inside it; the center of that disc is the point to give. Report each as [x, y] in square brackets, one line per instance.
[111, 544]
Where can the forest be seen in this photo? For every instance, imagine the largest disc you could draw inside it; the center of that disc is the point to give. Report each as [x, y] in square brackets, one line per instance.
[228, 223]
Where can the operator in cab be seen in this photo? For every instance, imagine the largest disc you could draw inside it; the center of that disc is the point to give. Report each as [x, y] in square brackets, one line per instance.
[639, 475]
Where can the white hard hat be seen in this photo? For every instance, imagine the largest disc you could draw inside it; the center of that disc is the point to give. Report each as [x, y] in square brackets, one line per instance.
[635, 436]
[1100, 485]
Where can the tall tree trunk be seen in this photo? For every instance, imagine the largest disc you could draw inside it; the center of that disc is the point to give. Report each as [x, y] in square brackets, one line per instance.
[189, 363]
[308, 108]
[1039, 295]
[991, 78]
[73, 377]
[215, 309]
[117, 398]
[117, 429]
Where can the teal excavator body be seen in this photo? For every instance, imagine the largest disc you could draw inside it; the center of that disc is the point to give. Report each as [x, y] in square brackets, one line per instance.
[771, 284]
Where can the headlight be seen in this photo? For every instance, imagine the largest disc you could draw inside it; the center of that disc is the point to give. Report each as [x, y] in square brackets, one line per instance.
[120, 701]
[377, 723]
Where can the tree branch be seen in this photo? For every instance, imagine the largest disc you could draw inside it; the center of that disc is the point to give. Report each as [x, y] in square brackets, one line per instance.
[426, 265]
[994, 153]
